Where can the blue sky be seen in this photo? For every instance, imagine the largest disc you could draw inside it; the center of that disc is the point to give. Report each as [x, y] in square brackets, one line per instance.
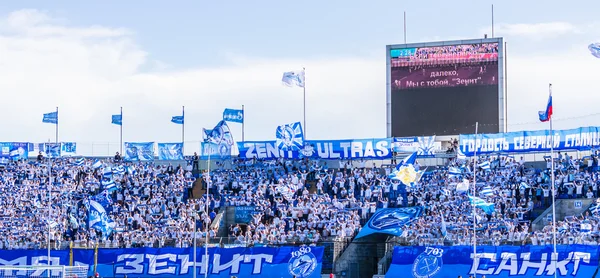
[151, 57]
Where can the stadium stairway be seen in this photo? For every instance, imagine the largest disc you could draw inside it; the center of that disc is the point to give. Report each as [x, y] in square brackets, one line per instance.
[564, 207]
[361, 257]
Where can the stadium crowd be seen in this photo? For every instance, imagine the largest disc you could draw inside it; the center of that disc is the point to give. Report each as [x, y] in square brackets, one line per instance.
[297, 201]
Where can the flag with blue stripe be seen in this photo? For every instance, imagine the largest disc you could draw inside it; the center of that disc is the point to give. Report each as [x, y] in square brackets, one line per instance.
[485, 165]
[233, 115]
[119, 170]
[460, 155]
[97, 164]
[289, 137]
[50, 118]
[487, 191]
[79, 161]
[293, 78]
[98, 219]
[523, 186]
[488, 208]
[117, 119]
[107, 172]
[177, 119]
[109, 185]
[454, 172]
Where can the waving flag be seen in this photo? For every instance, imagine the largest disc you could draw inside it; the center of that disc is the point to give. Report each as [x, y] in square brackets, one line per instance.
[487, 191]
[117, 119]
[488, 208]
[485, 165]
[405, 171]
[50, 118]
[219, 135]
[98, 218]
[454, 172]
[233, 115]
[595, 49]
[293, 78]
[177, 119]
[289, 137]
[97, 164]
[547, 115]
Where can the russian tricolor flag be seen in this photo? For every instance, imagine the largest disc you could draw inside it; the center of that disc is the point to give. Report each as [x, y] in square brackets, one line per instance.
[547, 115]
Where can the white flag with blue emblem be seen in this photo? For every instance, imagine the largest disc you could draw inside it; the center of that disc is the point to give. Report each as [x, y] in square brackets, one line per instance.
[293, 78]
[485, 165]
[289, 137]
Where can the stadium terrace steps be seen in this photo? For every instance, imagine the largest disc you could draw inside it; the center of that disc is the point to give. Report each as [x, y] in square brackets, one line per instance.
[564, 207]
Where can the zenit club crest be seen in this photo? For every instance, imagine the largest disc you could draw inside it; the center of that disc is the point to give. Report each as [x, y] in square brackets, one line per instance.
[428, 263]
[303, 263]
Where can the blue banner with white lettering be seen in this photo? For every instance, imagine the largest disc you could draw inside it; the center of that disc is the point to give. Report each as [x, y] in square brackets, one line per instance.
[493, 261]
[243, 214]
[14, 151]
[583, 138]
[139, 151]
[300, 262]
[68, 149]
[33, 257]
[170, 151]
[390, 221]
[321, 149]
[214, 151]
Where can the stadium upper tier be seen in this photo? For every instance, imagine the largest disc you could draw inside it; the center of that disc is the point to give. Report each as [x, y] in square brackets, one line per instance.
[120, 204]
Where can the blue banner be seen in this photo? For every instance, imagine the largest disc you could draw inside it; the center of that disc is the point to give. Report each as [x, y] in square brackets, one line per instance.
[494, 261]
[170, 151]
[68, 149]
[390, 221]
[583, 138]
[52, 150]
[321, 149]
[139, 151]
[14, 151]
[214, 151]
[244, 214]
[233, 115]
[33, 257]
[300, 262]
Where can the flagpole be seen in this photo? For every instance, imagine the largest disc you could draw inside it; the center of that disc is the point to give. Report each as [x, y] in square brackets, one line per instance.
[121, 141]
[474, 195]
[56, 139]
[183, 130]
[50, 203]
[304, 106]
[207, 215]
[195, 232]
[243, 122]
[553, 192]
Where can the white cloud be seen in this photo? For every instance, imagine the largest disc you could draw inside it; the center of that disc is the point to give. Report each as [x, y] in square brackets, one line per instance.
[534, 31]
[45, 63]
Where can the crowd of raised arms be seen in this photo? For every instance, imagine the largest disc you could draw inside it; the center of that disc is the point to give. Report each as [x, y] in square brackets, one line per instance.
[297, 202]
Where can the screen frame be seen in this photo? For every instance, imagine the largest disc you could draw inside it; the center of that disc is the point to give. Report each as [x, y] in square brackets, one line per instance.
[502, 124]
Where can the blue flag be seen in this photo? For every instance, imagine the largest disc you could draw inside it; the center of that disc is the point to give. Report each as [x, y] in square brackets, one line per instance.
[98, 218]
[219, 135]
[233, 115]
[289, 137]
[51, 118]
[117, 119]
[177, 119]
[293, 78]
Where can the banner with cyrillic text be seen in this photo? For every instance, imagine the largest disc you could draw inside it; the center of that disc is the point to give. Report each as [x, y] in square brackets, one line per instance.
[299, 262]
[583, 138]
[494, 261]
